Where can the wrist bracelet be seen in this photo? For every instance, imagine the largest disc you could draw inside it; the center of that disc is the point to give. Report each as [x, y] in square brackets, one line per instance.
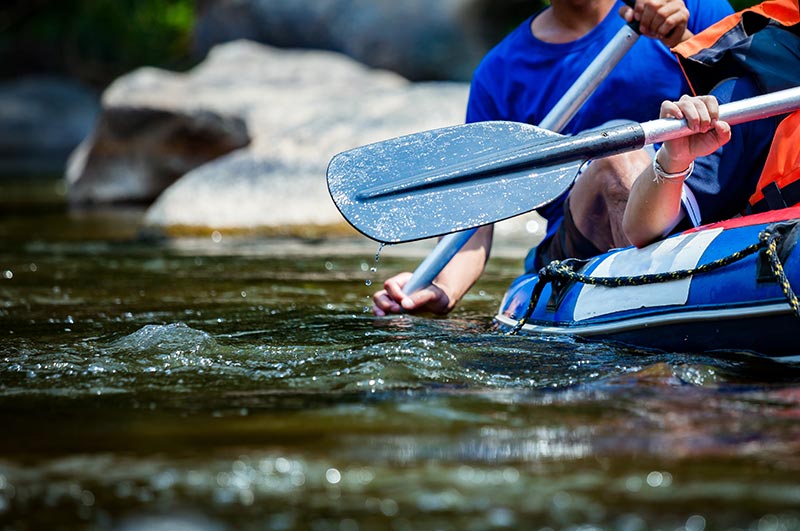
[660, 174]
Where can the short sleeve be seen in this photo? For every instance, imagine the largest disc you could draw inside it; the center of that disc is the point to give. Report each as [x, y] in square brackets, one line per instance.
[481, 106]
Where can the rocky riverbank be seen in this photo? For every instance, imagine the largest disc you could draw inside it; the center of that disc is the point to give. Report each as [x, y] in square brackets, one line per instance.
[242, 141]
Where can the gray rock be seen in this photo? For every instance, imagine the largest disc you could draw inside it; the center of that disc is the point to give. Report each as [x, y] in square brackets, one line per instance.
[136, 152]
[299, 107]
[281, 182]
[308, 106]
[42, 119]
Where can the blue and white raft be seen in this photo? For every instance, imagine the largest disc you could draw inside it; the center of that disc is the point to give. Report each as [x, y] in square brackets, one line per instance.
[721, 287]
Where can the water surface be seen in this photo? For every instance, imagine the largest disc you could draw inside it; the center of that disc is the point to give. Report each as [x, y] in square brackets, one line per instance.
[236, 383]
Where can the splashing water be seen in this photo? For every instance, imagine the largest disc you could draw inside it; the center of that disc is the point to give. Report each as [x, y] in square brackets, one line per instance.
[174, 402]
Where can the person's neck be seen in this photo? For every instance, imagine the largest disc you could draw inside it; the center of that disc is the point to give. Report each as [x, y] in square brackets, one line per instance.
[569, 20]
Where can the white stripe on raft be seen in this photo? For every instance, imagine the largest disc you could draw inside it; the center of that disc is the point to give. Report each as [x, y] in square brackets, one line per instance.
[673, 254]
[637, 323]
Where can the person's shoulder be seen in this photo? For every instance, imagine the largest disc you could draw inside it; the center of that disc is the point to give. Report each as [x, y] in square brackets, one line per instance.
[511, 44]
[708, 5]
[703, 13]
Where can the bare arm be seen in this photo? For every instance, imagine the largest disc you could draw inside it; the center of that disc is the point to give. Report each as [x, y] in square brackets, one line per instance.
[447, 289]
[654, 205]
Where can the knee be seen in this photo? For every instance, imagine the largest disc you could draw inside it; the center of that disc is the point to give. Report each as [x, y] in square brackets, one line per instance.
[613, 176]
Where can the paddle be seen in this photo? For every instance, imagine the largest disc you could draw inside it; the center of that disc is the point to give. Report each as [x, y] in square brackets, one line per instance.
[455, 178]
[555, 120]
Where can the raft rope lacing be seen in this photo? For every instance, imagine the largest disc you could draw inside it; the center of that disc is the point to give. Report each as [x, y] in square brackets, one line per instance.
[562, 270]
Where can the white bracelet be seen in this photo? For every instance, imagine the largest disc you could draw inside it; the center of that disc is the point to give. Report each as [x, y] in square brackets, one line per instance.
[661, 174]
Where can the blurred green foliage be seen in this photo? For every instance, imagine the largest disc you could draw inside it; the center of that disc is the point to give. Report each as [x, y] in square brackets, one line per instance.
[94, 40]
[742, 4]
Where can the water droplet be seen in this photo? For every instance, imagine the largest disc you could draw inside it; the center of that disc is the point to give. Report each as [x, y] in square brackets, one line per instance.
[8, 274]
[511, 475]
[389, 507]
[633, 484]
[333, 476]
[532, 226]
[373, 269]
[243, 294]
[329, 266]
[695, 523]
[655, 479]
[34, 268]
[368, 282]
[216, 237]
[246, 497]
[562, 500]
[87, 498]
[283, 465]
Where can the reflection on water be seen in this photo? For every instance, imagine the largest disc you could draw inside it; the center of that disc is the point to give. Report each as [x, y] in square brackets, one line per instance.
[223, 383]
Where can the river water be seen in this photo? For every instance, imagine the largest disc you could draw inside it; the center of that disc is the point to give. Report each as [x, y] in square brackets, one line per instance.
[236, 383]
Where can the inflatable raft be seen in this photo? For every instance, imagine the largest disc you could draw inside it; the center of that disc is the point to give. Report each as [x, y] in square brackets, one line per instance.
[721, 287]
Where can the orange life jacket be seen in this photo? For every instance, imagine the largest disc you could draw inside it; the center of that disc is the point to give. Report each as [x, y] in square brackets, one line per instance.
[762, 42]
[779, 185]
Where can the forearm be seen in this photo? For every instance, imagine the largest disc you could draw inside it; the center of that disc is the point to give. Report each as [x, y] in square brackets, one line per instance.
[466, 266]
[653, 209]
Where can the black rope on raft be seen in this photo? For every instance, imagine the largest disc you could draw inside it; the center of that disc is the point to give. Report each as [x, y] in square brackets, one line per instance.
[563, 271]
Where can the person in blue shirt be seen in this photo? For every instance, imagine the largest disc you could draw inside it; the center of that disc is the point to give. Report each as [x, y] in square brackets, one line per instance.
[523, 77]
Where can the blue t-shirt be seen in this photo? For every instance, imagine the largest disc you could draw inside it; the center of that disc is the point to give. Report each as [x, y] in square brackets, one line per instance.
[522, 78]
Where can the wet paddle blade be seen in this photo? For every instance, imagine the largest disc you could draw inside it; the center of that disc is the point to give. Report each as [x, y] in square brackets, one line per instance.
[435, 182]
[445, 180]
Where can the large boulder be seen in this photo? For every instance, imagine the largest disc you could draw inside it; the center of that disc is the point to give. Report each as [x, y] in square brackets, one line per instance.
[42, 119]
[137, 151]
[298, 108]
[420, 39]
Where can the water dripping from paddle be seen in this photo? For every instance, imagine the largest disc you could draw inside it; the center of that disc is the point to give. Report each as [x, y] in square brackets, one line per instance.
[372, 271]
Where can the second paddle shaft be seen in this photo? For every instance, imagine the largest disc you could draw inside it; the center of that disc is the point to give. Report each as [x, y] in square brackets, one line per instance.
[558, 117]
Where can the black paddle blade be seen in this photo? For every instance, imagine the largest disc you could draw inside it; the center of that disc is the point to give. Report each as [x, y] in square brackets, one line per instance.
[445, 180]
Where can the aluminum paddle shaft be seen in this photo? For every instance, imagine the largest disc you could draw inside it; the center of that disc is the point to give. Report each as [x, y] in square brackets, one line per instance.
[558, 117]
[736, 112]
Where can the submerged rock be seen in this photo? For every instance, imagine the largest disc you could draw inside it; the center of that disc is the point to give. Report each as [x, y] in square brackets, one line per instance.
[298, 107]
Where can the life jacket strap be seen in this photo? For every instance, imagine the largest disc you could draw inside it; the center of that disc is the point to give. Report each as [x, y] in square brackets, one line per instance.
[776, 197]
